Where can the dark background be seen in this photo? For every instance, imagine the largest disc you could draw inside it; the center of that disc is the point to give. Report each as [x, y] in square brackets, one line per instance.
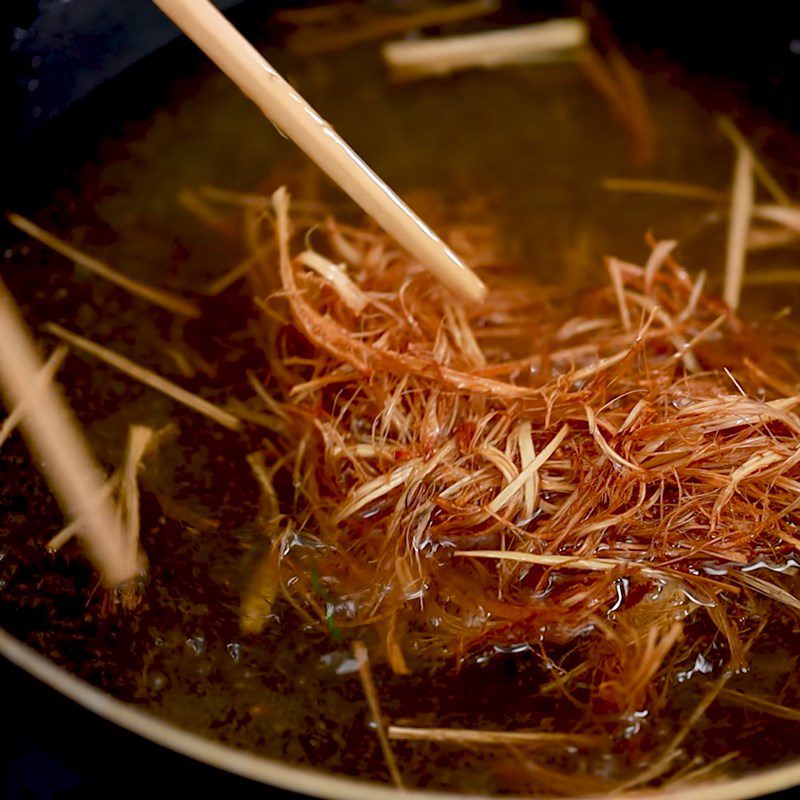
[68, 64]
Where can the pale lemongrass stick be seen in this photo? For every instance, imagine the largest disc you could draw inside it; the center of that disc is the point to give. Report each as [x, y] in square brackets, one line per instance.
[545, 41]
[45, 375]
[72, 527]
[467, 736]
[739, 226]
[766, 178]
[362, 660]
[146, 376]
[61, 450]
[248, 69]
[160, 297]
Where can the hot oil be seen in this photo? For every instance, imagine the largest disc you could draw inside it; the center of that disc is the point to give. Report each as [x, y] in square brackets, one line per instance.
[534, 146]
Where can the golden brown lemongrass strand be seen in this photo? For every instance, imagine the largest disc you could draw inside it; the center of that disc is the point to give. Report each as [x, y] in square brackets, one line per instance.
[61, 451]
[44, 376]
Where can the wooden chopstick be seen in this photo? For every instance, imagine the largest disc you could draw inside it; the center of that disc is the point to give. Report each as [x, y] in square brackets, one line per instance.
[249, 70]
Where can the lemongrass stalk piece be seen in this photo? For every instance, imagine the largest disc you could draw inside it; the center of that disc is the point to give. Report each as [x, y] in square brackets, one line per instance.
[160, 297]
[61, 451]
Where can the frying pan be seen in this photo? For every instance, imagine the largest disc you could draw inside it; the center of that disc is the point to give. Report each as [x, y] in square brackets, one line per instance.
[69, 65]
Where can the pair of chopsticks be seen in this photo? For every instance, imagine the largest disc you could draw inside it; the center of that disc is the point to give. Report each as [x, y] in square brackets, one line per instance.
[51, 430]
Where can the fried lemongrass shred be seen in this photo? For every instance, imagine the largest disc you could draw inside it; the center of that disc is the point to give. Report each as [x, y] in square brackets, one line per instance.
[209, 216]
[45, 375]
[619, 84]
[464, 736]
[760, 704]
[676, 189]
[123, 485]
[611, 484]
[739, 226]
[139, 439]
[370, 692]
[145, 376]
[160, 297]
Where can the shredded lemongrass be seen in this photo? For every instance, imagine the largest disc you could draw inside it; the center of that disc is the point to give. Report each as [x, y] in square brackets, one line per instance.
[683, 191]
[160, 297]
[546, 41]
[529, 471]
[139, 439]
[309, 42]
[205, 213]
[619, 291]
[760, 704]
[762, 173]
[45, 375]
[566, 562]
[336, 276]
[146, 376]
[786, 215]
[367, 684]
[229, 278]
[72, 528]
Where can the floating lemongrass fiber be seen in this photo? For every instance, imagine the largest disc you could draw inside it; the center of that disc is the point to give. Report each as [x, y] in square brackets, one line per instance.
[60, 449]
[357, 23]
[208, 28]
[619, 477]
[620, 86]
[44, 376]
[738, 228]
[371, 694]
[160, 297]
[677, 189]
[146, 376]
[536, 739]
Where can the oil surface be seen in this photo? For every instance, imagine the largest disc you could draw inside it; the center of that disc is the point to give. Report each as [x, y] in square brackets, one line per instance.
[537, 143]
